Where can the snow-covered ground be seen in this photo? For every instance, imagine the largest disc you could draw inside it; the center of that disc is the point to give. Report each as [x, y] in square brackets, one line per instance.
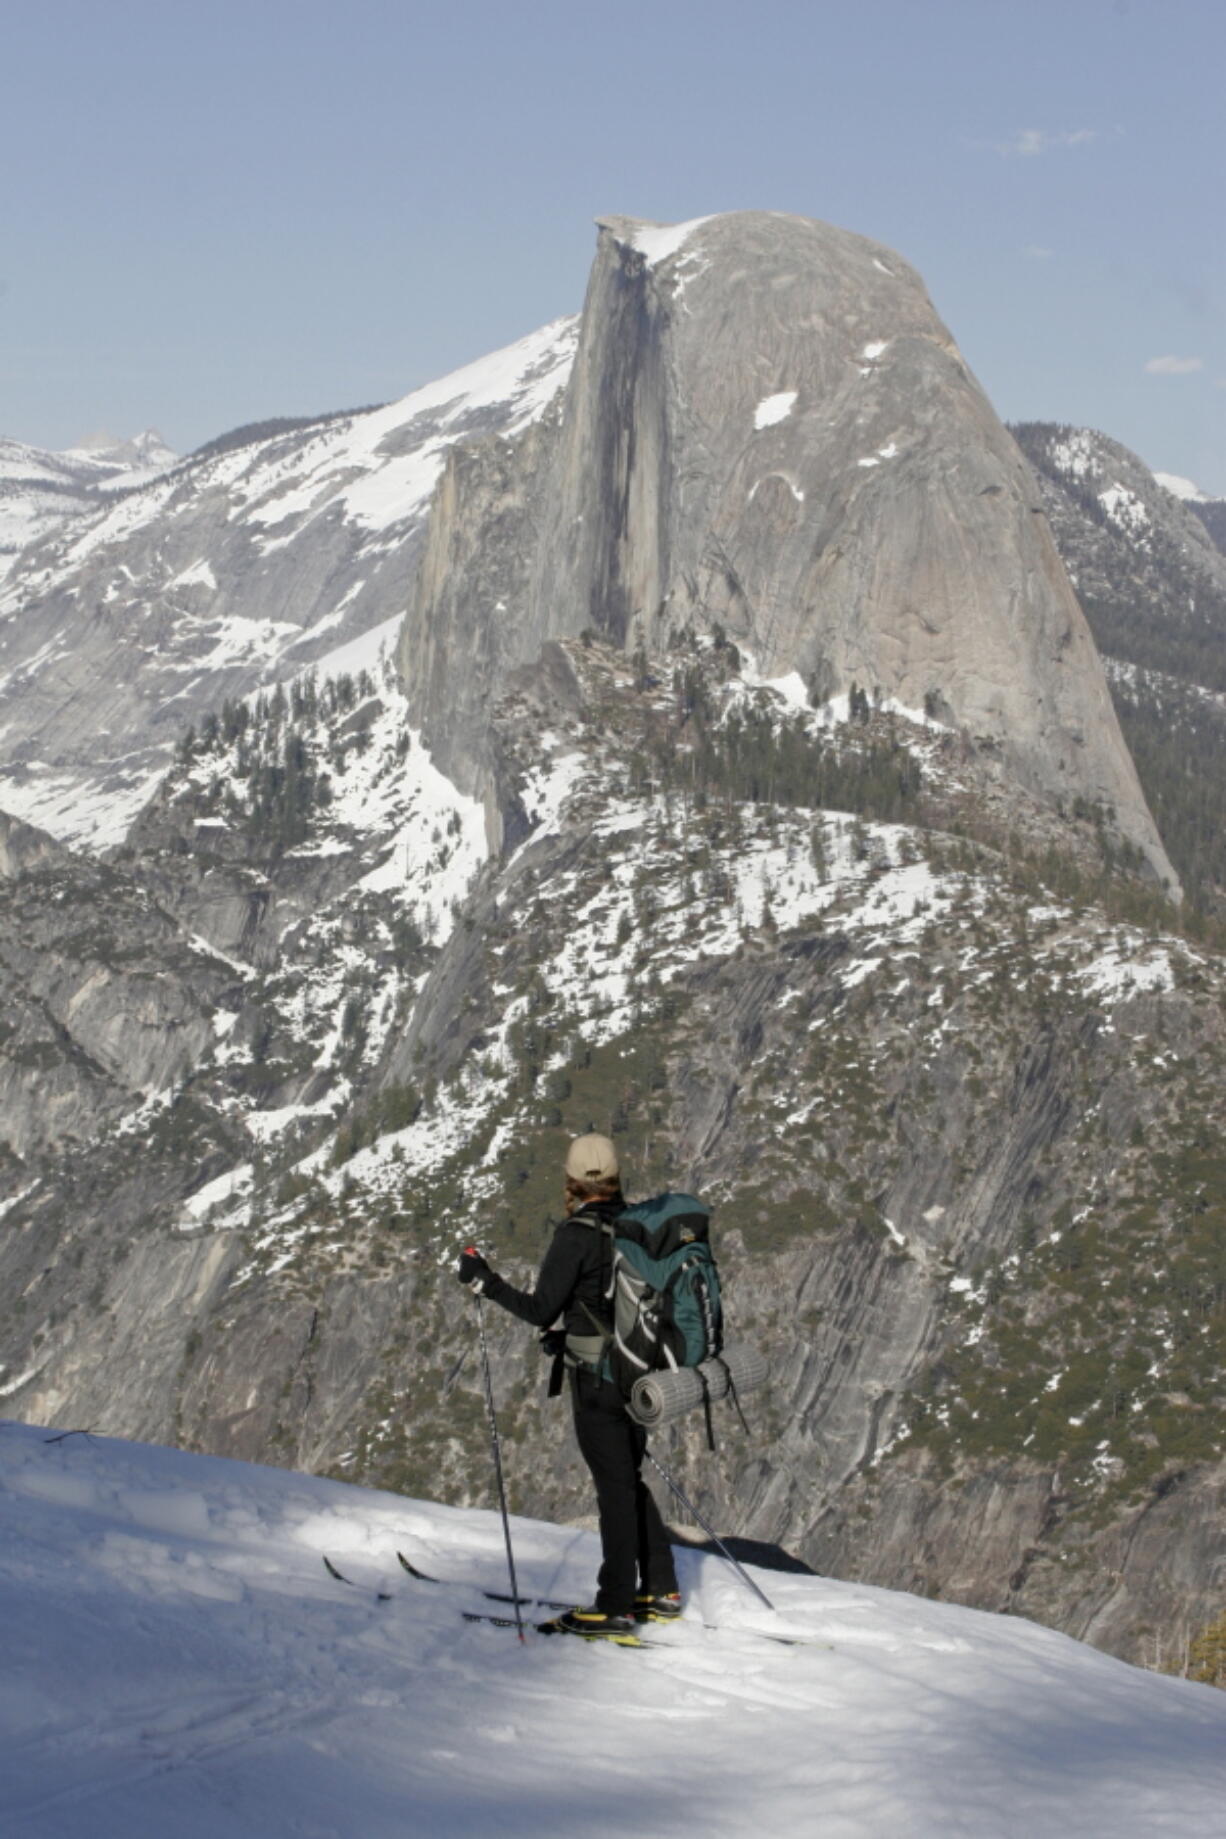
[179, 1663]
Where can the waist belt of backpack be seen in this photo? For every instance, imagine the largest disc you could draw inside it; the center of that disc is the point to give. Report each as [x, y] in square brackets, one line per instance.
[586, 1351]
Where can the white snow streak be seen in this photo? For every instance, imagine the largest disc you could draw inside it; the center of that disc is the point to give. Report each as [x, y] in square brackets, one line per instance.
[658, 241]
[774, 409]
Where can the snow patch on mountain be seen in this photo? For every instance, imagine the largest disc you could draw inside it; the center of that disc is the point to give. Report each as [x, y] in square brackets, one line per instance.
[1128, 967]
[774, 409]
[658, 241]
[1125, 510]
[1075, 455]
[375, 475]
[1183, 489]
[93, 813]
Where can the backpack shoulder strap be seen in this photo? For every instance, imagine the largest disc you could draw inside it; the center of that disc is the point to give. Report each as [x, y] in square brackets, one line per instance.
[589, 1350]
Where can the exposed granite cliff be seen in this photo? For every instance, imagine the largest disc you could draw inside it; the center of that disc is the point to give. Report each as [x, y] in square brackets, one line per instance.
[769, 430]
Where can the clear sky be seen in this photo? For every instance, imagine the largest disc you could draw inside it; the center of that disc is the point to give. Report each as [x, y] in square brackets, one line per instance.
[212, 212]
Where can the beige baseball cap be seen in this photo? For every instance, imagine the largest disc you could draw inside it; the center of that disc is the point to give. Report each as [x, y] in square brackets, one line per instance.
[591, 1159]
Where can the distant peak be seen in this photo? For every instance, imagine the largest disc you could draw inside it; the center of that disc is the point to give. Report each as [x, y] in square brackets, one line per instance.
[1183, 488]
[144, 449]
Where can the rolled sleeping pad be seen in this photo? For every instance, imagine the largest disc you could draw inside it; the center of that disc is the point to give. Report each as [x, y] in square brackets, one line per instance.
[659, 1398]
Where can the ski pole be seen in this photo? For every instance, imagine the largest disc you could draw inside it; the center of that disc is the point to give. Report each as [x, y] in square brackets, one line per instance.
[495, 1446]
[694, 1514]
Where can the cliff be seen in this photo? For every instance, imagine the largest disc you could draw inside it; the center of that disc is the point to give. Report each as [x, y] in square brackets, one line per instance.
[769, 431]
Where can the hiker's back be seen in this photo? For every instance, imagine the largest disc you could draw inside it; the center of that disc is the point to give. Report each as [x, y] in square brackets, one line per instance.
[662, 1295]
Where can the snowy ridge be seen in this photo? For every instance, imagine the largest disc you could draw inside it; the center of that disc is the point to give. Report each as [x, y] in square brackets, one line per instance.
[365, 475]
[233, 570]
[180, 1662]
[376, 468]
[40, 490]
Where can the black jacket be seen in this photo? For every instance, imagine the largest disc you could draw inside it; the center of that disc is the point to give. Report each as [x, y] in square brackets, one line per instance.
[575, 1271]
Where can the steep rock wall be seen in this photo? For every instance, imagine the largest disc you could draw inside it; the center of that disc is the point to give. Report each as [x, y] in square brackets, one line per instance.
[768, 428]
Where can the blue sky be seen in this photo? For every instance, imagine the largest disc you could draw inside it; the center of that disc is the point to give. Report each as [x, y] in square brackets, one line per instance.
[214, 212]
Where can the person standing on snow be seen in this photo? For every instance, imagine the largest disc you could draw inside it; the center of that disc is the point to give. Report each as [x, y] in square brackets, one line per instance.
[637, 1581]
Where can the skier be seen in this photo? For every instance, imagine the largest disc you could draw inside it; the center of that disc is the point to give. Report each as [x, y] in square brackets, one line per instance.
[571, 1283]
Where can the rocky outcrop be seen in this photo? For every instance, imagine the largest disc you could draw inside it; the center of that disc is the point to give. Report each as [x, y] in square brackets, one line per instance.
[1153, 587]
[999, 1539]
[105, 1002]
[769, 430]
[1150, 577]
[23, 847]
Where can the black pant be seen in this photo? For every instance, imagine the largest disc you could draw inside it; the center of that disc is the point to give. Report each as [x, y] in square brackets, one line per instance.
[632, 1534]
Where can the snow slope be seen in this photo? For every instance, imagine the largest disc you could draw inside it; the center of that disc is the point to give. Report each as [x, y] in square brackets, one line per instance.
[179, 1662]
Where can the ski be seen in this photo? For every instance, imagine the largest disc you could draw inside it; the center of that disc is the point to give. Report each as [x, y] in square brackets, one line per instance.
[421, 1577]
[381, 1596]
[548, 1602]
[491, 1596]
[544, 1628]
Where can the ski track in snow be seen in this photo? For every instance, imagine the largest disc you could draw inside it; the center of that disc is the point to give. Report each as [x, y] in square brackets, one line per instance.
[179, 1663]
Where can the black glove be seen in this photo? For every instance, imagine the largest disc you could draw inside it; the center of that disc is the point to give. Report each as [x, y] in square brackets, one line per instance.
[472, 1269]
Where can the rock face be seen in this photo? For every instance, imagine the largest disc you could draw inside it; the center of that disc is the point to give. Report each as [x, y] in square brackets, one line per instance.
[1153, 587]
[769, 430]
[106, 1002]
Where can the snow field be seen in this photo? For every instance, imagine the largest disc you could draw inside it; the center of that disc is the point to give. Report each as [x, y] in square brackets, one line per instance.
[94, 813]
[179, 1662]
[357, 463]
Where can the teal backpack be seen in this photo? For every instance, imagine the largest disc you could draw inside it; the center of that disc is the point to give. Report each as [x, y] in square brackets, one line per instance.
[662, 1291]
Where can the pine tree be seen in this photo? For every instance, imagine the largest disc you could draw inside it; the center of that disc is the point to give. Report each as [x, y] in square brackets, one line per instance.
[1207, 1654]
